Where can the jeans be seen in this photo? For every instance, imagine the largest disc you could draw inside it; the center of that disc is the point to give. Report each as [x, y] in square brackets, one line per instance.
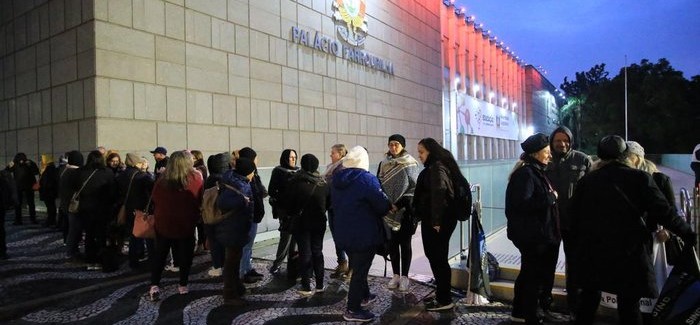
[339, 253]
[437, 245]
[310, 255]
[360, 262]
[247, 255]
[182, 247]
[400, 252]
[538, 263]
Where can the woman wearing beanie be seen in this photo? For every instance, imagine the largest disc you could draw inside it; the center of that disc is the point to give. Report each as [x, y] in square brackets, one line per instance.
[236, 197]
[217, 164]
[533, 227]
[306, 201]
[397, 174]
[434, 191]
[359, 204]
[281, 175]
[250, 275]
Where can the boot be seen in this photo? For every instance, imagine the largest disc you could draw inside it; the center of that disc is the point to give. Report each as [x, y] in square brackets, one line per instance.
[340, 270]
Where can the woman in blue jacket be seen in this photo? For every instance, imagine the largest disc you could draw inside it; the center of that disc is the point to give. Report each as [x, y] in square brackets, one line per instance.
[358, 204]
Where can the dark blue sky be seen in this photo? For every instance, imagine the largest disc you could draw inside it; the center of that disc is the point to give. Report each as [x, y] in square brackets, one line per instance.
[568, 36]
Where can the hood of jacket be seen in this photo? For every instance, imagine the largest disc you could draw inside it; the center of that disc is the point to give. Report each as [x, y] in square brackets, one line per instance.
[218, 163]
[565, 130]
[346, 177]
[310, 177]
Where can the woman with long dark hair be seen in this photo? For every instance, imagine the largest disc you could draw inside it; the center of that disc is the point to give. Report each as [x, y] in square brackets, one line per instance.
[431, 203]
[177, 196]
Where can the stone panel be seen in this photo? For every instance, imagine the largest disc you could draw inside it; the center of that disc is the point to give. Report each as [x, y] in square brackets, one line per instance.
[170, 74]
[56, 17]
[321, 120]
[45, 138]
[58, 104]
[89, 100]
[26, 82]
[27, 141]
[268, 144]
[243, 111]
[75, 100]
[259, 45]
[306, 118]
[207, 137]
[224, 110]
[63, 71]
[171, 135]
[266, 90]
[122, 66]
[174, 21]
[239, 86]
[129, 135]
[242, 41]
[238, 11]
[86, 64]
[279, 118]
[73, 13]
[176, 105]
[293, 117]
[239, 138]
[265, 71]
[121, 100]
[265, 21]
[34, 109]
[62, 143]
[88, 135]
[149, 102]
[197, 28]
[85, 37]
[216, 8]
[310, 141]
[22, 107]
[260, 113]
[124, 40]
[223, 35]
[238, 65]
[278, 51]
[120, 12]
[149, 15]
[199, 107]
[291, 141]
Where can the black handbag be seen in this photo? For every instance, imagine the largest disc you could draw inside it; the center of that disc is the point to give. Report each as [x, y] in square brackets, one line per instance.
[674, 247]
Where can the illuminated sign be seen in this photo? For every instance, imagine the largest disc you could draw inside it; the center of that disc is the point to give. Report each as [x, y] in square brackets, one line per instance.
[478, 117]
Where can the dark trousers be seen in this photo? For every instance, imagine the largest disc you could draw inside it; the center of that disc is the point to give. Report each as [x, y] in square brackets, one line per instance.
[3, 244]
[360, 262]
[436, 245]
[627, 308]
[75, 232]
[339, 253]
[233, 287]
[63, 224]
[283, 248]
[216, 250]
[50, 212]
[138, 248]
[400, 252]
[310, 256]
[95, 236]
[22, 196]
[538, 262]
[183, 248]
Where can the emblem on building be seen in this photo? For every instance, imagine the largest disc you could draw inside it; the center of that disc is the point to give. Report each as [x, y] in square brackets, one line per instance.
[351, 20]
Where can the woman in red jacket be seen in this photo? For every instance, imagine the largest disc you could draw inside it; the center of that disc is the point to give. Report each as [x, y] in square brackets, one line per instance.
[177, 196]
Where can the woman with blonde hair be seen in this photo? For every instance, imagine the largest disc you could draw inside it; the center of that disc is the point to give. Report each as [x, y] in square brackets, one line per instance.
[177, 196]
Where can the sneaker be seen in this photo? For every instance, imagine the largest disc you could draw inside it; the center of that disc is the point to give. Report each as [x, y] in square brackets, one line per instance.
[437, 306]
[369, 300]
[404, 284]
[340, 270]
[172, 268]
[250, 279]
[254, 273]
[215, 272]
[183, 290]
[549, 316]
[154, 293]
[517, 320]
[358, 316]
[274, 269]
[306, 292]
[94, 267]
[320, 289]
[394, 282]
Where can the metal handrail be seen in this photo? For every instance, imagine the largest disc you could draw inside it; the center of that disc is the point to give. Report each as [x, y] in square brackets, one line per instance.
[686, 205]
[690, 210]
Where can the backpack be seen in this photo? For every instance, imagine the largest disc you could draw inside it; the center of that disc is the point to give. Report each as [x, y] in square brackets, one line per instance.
[8, 190]
[493, 267]
[462, 201]
[211, 214]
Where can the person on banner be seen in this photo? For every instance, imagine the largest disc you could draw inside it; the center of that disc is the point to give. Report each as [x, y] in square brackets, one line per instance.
[565, 168]
[279, 180]
[177, 196]
[533, 227]
[397, 174]
[611, 210]
[233, 233]
[431, 204]
[359, 204]
[306, 201]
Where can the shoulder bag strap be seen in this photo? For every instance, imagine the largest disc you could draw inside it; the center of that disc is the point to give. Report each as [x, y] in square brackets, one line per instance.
[86, 181]
[128, 189]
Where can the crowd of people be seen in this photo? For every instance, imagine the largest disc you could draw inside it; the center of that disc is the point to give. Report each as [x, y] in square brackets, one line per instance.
[606, 214]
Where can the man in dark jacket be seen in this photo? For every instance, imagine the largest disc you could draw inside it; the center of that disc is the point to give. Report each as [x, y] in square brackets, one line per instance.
[609, 226]
[250, 275]
[564, 170]
[25, 173]
[160, 155]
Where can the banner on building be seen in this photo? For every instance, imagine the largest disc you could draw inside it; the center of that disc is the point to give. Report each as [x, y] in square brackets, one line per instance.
[477, 117]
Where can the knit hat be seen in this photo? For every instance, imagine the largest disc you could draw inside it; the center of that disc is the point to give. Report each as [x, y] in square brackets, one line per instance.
[635, 148]
[160, 150]
[247, 152]
[534, 143]
[398, 138]
[244, 166]
[309, 163]
[75, 158]
[611, 147]
[132, 159]
[357, 157]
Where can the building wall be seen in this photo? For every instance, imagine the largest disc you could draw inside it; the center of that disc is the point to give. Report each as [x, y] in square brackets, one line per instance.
[212, 75]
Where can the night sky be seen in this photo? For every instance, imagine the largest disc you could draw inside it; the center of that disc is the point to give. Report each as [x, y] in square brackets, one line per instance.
[569, 36]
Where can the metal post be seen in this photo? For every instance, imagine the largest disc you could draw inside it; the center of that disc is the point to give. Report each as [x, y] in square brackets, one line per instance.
[626, 98]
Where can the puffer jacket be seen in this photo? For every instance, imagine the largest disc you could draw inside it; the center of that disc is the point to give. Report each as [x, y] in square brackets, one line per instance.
[233, 230]
[434, 192]
[358, 204]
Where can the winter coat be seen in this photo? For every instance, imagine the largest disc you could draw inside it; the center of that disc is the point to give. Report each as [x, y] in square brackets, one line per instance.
[48, 183]
[564, 171]
[531, 206]
[177, 210]
[98, 196]
[306, 193]
[279, 181]
[234, 230]
[358, 204]
[398, 177]
[259, 195]
[66, 178]
[140, 192]
[610, 225]
[434, 192]
[24, 174]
